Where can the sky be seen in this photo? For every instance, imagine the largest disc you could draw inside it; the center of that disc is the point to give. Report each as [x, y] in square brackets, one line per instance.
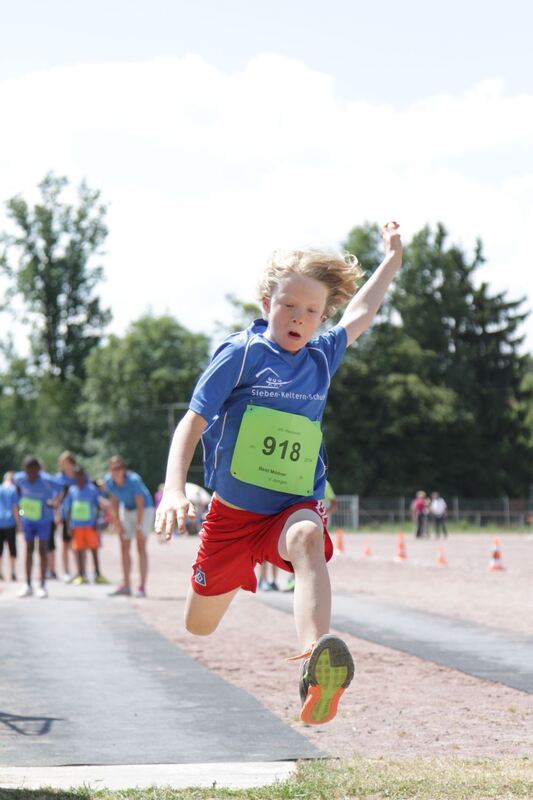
[218, 131]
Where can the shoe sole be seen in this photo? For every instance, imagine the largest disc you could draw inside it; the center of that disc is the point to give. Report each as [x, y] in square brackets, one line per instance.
[330, 671]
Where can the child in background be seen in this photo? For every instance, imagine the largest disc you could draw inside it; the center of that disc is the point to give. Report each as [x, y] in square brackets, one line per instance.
[9, 521]
[39, 495]
[258, 409]
[81, 506]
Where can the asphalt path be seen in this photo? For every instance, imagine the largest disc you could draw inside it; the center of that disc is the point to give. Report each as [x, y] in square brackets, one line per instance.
[484, 652]
[84, 681]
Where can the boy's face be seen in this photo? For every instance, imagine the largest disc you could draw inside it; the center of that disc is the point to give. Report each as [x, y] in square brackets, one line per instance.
[295, 311]
[32, 472]
[80, 479]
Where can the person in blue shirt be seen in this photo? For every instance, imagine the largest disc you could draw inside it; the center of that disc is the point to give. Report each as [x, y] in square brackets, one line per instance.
[133, 512]
[67, 464]
[258, 409]
[9, 521]
[81, 507]
[39, 494]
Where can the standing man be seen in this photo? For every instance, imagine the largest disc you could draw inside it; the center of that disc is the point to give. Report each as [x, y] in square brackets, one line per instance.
[439, 512]
[133, 514]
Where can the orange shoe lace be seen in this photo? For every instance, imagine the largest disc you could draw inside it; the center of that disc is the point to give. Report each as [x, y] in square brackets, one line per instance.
[302, 655]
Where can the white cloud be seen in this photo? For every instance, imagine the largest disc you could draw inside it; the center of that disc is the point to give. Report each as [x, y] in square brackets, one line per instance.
[205, 172]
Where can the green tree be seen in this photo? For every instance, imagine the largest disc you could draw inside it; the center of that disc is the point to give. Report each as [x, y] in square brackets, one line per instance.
[130, 382]
[48, 263]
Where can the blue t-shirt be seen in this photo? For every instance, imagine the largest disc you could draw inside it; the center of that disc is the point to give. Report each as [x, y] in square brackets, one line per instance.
[66, 482]
[8, 498]
[82, 505]
[44, 488]
[247, 368]
[133, 487]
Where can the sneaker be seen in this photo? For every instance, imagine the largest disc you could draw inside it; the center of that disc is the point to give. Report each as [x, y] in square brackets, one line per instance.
[121, 591]
[140, 592]
[67, 578]
[80, 580]
[273, 586]
[100, 579]
[41, 593]
[263, 585]
[326, 673]
[26, 591]
[289, 586]
[51, 575]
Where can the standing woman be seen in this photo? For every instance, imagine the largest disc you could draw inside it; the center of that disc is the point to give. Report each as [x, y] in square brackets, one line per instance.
[67, 466]
[9, 521]
[133, 515]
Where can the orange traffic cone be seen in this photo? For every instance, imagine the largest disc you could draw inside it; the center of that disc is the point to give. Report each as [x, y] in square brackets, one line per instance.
[367, 552]
[495, 563]
[441, 558]
[401, 552]
[339, 541]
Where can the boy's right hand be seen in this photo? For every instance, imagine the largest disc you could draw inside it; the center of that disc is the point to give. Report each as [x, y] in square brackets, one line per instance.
[173, 511]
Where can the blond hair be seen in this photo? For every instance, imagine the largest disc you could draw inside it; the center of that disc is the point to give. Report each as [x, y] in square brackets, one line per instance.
[66, 457]
[339, 272]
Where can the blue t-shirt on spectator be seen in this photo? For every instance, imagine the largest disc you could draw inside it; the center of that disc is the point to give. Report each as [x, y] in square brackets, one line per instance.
[248, 368]
[8, 498]
[43, 489]
[82, 505]
[133, 487]
[66, 482]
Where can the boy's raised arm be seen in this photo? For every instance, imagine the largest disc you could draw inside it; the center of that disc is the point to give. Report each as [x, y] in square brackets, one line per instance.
[363, 307]
[174, 507]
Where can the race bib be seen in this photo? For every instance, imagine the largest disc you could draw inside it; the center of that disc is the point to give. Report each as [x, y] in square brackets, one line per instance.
[31, 509]
[81, 511]
[277, 450]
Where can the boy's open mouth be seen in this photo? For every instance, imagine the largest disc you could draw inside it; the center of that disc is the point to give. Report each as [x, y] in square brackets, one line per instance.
[295, 335]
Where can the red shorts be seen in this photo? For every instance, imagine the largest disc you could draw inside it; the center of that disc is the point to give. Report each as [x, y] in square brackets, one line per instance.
[234, 541]
[84, 538]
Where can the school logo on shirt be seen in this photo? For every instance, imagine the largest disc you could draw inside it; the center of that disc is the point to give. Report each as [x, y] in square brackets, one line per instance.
[269, 379]
[199, 577]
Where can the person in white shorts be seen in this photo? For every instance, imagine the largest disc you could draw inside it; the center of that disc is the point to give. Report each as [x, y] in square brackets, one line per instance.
[133, 513]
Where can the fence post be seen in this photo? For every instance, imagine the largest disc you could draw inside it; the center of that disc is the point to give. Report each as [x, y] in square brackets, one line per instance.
[354, 509]
[402, 509]
[456, 508]
[506, 510]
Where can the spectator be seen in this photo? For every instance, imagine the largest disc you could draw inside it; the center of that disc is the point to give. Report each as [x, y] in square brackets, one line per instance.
[419, 511]
[439, 512]
[9, 521]
[81, 508]
[39, 494]
[133, 517]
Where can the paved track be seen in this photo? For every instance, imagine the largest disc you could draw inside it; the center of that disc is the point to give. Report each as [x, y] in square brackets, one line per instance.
[484, 652]
[85, 681]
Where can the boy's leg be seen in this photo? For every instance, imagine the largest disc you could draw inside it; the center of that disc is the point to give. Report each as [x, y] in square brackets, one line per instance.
[43, 553]
[302, 543]
[29, 559]
[202, 614]
[328, 667]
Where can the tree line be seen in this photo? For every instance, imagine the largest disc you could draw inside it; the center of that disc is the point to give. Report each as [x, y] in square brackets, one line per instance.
[437, 394]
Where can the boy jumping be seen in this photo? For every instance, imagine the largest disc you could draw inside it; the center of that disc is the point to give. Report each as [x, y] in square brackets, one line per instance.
[258, 409]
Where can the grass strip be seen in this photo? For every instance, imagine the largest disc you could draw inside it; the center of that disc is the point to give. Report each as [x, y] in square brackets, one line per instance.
[357, 779]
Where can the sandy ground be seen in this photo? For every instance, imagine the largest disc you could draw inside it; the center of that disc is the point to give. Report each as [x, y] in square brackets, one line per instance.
[398, 704]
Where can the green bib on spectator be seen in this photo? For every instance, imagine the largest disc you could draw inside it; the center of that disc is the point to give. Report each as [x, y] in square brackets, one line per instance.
[81, 511]
[31, 509]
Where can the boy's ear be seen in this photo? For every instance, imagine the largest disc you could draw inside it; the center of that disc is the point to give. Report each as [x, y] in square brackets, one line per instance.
[266, 304]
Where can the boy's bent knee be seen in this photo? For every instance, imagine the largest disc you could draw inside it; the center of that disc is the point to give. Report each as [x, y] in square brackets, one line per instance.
[200, 627]
[305, 539]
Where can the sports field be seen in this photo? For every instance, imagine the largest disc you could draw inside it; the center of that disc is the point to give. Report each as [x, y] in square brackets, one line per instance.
[407, 728]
